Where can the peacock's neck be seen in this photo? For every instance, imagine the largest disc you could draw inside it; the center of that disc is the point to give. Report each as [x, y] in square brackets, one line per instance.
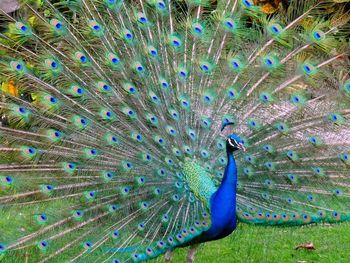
[223, 204]
[230, 176]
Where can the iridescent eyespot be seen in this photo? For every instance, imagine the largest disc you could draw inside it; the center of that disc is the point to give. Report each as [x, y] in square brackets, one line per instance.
[139, 68]
[56, 24]
[318, 35]
[128, 35]
[206, 67]
[346, 87]
[96, 28]
[248, 3]
[23, 29]
[141, 17]
[308, 68]
[141, 226]
[229, 24]
[43, 244]
[81, 57]
[197, 29]
[6, 181]
[182, 73]
[160, 244]
[265, 97]
[161, 4]
[276, 29]
[152, 51]
[345, 157]
[17, 66]
[235, 64]
[175, 42]
[87, 245]
[164, 84]
[2, 248]
[53, 65]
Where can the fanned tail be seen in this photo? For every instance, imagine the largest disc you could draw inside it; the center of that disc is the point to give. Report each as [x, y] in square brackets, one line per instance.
[117, 98]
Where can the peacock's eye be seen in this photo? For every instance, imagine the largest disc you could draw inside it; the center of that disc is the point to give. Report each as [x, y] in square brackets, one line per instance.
[232, 142]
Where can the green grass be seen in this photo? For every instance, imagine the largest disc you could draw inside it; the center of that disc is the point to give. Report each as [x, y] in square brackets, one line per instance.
[259, 244]
[252, 244]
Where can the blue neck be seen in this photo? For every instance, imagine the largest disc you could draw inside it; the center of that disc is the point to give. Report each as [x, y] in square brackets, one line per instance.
[223, 204]
[230, 175]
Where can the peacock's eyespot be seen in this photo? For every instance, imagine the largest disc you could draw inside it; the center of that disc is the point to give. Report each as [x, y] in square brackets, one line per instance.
[8, 179]
[83, 59]
[161, 5]
[307, 68]
[247, 3]
[198, 30]
[229, 24]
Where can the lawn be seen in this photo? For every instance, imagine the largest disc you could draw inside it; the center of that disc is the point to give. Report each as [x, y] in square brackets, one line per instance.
[258, 244]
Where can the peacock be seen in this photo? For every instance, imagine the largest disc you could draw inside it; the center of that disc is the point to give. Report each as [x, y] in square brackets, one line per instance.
[130, 128]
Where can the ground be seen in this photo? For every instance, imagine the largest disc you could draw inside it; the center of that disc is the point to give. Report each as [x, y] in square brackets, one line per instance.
[256, 244]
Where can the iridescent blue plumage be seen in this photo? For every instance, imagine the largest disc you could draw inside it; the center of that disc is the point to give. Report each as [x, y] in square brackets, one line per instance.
[223, 201]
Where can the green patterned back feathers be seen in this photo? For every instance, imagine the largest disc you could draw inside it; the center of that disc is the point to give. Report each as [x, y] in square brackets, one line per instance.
[199, 181]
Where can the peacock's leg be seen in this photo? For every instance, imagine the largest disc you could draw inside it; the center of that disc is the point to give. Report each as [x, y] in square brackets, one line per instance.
[169, 255]
[191, 253]
[75, 19]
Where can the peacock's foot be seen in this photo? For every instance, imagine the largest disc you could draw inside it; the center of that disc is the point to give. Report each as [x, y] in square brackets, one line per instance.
[191, 253]
[169, 256]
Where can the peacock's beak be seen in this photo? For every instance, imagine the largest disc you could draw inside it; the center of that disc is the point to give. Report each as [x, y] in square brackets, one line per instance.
[241, 147]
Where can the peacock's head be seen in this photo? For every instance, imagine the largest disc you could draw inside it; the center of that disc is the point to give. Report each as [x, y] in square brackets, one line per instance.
[234, 143]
